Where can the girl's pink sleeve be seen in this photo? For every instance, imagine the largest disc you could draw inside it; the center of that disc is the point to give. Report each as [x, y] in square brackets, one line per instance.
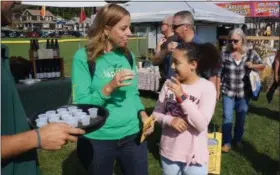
[159, 110]
[200, 116]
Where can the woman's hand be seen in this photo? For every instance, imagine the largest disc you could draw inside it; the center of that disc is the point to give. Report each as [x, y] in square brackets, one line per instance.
[117, 81]
[121, 76]
[148, 123]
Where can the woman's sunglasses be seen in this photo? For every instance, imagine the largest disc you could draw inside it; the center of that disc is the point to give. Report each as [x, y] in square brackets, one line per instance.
[235, 41]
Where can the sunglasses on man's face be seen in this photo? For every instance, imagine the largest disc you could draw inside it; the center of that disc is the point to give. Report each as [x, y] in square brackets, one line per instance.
[174, 26]
[235, 41]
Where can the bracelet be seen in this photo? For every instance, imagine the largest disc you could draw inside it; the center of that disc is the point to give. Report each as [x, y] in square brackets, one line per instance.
[182, 98]
[39, 138]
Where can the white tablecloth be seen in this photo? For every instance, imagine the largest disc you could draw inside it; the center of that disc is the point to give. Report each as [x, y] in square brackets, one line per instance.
[148, 79]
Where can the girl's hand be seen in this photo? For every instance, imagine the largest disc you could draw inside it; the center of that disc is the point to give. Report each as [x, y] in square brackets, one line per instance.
[179, 124]
[175, 87]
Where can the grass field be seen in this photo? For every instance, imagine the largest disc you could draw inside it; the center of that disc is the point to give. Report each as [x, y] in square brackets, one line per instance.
[261, 140]
[68, 49]
[259, 156]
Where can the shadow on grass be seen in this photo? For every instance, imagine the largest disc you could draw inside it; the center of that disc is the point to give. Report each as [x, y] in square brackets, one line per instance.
[261, 163]
[149, 94]
[274, 115]
[72, 165]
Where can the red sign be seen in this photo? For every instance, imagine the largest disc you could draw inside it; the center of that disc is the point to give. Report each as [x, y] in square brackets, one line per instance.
[241, 8]
[266, 9]
[253, 9]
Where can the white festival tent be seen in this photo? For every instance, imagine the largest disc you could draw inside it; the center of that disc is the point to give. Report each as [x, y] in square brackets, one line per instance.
[65, 3]
[207, 16]
[155, 11]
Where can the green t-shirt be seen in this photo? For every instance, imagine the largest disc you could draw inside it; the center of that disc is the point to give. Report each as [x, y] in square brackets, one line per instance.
[123, 104]
[13, 121]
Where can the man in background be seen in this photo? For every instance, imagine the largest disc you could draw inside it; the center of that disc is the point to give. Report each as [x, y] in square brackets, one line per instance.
[183, 27]
[161, 57]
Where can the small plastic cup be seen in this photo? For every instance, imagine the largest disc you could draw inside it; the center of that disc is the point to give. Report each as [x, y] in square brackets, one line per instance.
[62, 110]
[64, 113]
[85, 120]
[50, 112]
[41, 124]
[66, 117]
[40, 120]
[53, 119]
[77, 114]
[72, 107]
[42, 116]
[93, 112]
[73, 122]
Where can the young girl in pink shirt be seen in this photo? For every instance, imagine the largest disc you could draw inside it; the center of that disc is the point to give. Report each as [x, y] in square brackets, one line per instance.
[184, 109]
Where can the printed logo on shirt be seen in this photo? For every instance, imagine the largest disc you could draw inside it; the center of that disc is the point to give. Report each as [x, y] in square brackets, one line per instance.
[174, 108]
[109, 73]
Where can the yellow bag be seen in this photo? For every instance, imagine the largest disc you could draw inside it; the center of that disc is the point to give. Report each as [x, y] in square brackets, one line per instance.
[215, 149]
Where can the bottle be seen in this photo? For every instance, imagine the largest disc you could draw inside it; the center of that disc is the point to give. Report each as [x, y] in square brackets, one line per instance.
[57, 72]
[38, 73]
[53, 73]
[45, 73]
[52, 47]
[52, 44]
[56, 49]
[49, 73]
[48, 44]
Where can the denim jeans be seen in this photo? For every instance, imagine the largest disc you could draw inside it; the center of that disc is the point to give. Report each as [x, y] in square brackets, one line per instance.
[241, 108]
[180, 168]
[98, 156]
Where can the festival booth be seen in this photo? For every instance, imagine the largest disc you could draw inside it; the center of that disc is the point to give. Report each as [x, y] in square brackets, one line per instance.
[46, 86]
[148, 15]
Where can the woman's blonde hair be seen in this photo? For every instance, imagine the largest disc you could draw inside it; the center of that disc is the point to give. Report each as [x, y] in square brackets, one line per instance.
[239, 32]
[108, 16]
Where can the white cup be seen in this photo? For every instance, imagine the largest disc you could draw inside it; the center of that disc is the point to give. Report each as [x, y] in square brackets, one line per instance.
[42, 116]
[73, 122]
[72, 107]
[93, 112]
[77, 114]
[40, 120]
[64, 113]
[140, 64]
[66, 117]
[53, 119]
[61, 110]
[85, 120]
[50, 112]
[41, 124]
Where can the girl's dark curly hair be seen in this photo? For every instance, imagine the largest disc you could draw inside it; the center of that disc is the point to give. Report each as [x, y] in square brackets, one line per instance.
[206, 55]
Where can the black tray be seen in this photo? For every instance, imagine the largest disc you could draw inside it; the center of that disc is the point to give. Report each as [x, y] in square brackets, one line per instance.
[95, 123]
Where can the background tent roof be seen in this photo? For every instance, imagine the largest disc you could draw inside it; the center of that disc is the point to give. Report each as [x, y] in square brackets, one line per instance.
[65, 3]
[155, 11]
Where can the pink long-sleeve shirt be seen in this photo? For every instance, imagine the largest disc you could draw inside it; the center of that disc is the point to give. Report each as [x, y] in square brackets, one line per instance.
[189, 146]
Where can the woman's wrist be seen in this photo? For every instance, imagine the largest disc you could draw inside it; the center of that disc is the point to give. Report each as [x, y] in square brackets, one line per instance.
[108, 89]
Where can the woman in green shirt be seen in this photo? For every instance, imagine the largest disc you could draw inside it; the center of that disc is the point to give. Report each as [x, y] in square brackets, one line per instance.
[113, 86]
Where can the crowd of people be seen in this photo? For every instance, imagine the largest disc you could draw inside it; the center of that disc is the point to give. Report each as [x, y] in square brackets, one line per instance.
[104, 73]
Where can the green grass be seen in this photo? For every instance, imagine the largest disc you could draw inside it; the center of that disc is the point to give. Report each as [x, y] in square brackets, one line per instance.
[259, 156]
[261, 140]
